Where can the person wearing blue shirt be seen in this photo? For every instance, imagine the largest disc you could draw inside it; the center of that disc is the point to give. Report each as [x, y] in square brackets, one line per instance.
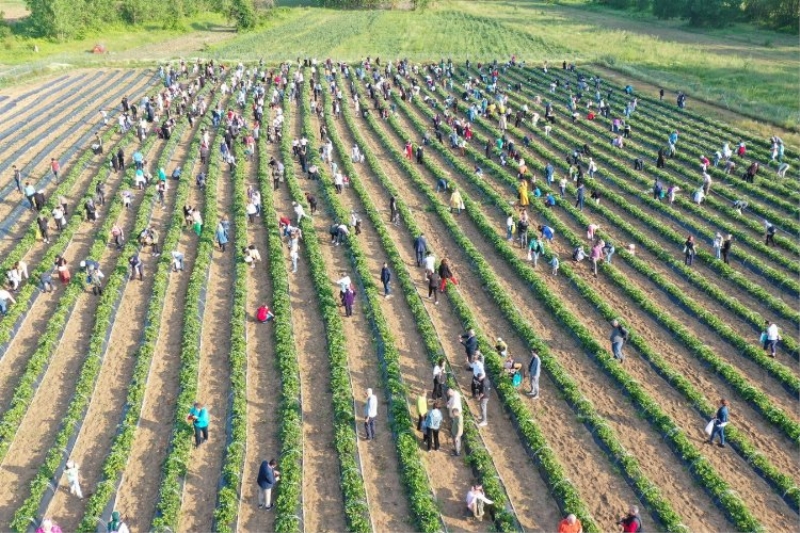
[547, 233]
[432, 424]
[549, 172]
[29, 192]
[267, 478]
[420, 247]
[198, 416]
[720, 421]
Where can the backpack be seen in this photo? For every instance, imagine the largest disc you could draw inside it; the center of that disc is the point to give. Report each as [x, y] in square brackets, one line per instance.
[516, 381]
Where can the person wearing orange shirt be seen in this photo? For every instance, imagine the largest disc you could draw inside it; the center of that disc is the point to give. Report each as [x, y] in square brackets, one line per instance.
[570, 524]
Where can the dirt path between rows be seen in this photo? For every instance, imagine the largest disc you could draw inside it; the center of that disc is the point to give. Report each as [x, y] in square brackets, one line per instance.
[203, 475]
[263, 377]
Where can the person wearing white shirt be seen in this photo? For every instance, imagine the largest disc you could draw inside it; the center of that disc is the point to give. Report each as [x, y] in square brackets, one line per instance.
[453, 401]
[299, 211]
[73, 478]
[370, 414]
[476, 500]
[773, 336]
[429, 262]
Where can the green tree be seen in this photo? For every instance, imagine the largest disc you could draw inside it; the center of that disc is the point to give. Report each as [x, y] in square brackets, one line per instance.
[56, 19]
[668, 9]
[715, 13]
[243, 13]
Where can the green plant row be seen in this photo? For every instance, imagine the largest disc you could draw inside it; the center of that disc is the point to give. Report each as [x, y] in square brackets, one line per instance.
[701, 469]
[288, 503]
[631, 177]
[697, 279]
[227, 511]
[116, 461]
[562, 488]
[697, 139]
[48, 341]
[725, 271]
[477, 455]
[678, 171]
[778, 480]
[29, 287]
[741, 384]
[356, 509]
[412, 470]
[90, 370]
[698, 121]
[176, 463]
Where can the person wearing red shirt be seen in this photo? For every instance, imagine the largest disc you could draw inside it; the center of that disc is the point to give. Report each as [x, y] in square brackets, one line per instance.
[570, 524]
[263, 314]
[631, 523]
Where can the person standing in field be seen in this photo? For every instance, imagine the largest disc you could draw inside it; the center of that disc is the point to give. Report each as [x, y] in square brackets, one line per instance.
[446, 274]
[439, 378]
[484, 388]
[772, 337]
[268, 477]
[727, 242]
[17, 178]
[433, 285]
[74, 479]
[5, 298]
[422, 409]
[720, 421]
[420, 247]
[689, 251]
[55, 167]
[198, 416]
[534, 372]
[456, 429]
[221, 235]
[619, 336]
[632, 522]
[432, 425]
[386, 278]
[470, 342]
[370, 414]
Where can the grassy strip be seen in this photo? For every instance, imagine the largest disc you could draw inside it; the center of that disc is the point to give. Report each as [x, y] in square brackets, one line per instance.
[420, 494]
[563, 490]
[176, 464]
[288, 503]
[345, 436]
[116, 461]
[87, 379]
[782, 483]
[717, 363]
[701, 469]
[227, 510]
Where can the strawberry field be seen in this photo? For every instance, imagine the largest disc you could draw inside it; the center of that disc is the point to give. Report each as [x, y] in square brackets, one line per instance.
[107, 380]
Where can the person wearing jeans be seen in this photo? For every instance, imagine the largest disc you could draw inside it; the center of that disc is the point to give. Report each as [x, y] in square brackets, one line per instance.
[720, 421]
[432, 424]
[198, 415]
[386, 278]
[618, 337]
[370, 414]
[456, 430]
[483, 395]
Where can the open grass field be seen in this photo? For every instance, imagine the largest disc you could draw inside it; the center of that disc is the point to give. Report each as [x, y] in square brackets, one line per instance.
[107, 379]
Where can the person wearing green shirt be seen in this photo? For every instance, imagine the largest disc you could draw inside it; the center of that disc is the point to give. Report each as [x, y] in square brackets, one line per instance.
[456, 430]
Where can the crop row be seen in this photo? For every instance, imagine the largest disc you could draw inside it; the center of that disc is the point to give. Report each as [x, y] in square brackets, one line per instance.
[477, 455]
[576, 137]
[564, 492]
[724, 270]
[717, 324]
[87, 380]
[692, 163]
[700, 121]
[117, 459]
[412, 470]
[780, 481]
[703, 472]
[29, 287]
[739, 382]
[695, 142]
[176, 463]
[288, 503]
[345, 436]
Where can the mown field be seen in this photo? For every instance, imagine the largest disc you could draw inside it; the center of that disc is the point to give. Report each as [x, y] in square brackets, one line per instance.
[107, 381]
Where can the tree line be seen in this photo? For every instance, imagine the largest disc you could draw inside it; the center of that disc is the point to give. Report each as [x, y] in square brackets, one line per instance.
[773, 14]
[67, 19]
